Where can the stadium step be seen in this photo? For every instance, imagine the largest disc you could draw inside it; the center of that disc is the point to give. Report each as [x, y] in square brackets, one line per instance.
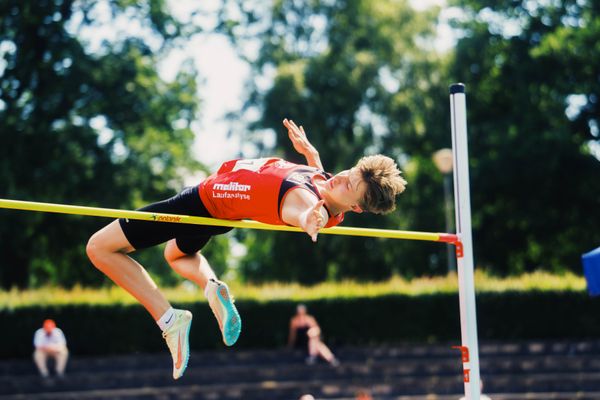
[391, 372]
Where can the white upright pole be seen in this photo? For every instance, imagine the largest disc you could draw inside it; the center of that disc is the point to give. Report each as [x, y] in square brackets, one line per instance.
[464, 249]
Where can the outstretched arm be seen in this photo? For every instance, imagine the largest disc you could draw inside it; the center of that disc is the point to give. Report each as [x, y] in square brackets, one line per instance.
[302, 145]
[302, 209]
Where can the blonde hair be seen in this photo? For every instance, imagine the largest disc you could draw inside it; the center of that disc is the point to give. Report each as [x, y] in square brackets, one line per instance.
[384, 183]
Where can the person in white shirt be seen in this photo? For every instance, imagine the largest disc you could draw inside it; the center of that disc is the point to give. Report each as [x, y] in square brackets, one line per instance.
[49, 341]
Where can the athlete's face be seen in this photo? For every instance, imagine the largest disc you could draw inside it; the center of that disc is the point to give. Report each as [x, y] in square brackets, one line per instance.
[346, 190]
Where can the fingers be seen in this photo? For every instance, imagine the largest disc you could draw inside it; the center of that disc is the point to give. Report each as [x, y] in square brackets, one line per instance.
[296, 135]
[318, 205]
[316, 213]
[313, 235]
[291, 125]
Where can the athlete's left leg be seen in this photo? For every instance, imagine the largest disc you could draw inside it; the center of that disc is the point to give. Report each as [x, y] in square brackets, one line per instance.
[108, 249]
[196, 268]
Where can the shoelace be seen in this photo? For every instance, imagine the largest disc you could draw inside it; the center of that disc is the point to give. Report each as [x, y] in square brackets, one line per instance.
[165, 334]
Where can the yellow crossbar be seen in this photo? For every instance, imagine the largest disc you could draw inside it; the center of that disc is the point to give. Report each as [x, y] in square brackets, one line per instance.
[188, 219]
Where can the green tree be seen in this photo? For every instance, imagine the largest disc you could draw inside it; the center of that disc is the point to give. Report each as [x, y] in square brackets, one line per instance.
[534, 179]
[362, 77]
[352, 72]
[83, 128]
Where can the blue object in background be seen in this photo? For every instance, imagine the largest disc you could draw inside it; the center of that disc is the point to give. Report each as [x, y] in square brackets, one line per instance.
[591, 270]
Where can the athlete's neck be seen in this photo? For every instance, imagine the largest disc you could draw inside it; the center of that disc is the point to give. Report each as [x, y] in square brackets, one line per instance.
[331, 205]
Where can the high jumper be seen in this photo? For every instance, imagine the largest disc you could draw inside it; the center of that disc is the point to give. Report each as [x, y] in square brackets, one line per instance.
[263, 190]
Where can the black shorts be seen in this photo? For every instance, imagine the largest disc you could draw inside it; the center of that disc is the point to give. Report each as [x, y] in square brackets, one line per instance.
[190, 238]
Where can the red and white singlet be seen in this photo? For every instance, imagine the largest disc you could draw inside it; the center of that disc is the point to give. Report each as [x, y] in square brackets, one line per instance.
[256, 188]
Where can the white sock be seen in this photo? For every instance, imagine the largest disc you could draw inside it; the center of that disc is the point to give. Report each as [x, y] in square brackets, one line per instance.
[167, 319]
[206, 288]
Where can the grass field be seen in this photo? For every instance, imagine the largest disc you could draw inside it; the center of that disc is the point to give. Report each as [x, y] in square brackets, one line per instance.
[188, 292]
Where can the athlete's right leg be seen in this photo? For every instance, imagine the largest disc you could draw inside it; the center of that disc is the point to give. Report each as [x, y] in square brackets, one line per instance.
[193, 267]
[107, 249]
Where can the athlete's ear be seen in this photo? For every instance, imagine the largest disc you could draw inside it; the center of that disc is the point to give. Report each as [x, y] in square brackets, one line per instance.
[357, 209]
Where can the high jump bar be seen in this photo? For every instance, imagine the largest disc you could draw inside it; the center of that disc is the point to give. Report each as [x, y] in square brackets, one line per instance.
[188, 219]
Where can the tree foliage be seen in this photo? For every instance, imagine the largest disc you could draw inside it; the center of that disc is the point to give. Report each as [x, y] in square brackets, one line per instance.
[533, 176]
[93, 128]
[102, 128]
[363, 77]
[341, 69]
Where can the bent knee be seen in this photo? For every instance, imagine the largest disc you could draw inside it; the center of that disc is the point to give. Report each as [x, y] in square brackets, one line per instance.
[98, 245]
[172, 253]
[175, 261]
[110, 239]
[167, 253]
[93, 247]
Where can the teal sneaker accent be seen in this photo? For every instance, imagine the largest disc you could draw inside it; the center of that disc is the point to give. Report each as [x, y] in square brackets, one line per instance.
[222, 305]
[232, 325]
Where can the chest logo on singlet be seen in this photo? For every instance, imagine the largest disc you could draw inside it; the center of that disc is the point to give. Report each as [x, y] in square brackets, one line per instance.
[231, 190]
[232, 187]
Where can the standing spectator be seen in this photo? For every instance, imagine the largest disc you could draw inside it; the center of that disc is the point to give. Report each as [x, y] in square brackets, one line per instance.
[307, 397]
[49, 341]
[305, 333]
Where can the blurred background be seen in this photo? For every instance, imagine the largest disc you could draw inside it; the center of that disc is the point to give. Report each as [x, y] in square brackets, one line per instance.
[119, 103]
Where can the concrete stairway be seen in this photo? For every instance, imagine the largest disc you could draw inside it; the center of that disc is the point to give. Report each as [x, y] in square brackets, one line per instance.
[511, 371]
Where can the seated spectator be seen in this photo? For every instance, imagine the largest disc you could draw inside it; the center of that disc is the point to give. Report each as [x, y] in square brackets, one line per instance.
[363, 395]
[307, 397]
[305, 333]
[49, 342]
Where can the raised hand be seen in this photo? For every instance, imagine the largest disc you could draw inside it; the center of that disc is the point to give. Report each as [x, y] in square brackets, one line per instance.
[301, 143]
[298, 137]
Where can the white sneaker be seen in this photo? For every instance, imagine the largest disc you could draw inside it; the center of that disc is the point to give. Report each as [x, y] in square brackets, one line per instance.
[177, 338]
[221, 304]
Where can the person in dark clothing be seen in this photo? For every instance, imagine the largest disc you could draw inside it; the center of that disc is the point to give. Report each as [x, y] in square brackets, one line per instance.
[305, 333]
